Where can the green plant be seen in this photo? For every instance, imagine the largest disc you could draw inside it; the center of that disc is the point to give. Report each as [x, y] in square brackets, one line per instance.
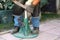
[43, 2]
[45, 17]
[6, 4]
[6, 14]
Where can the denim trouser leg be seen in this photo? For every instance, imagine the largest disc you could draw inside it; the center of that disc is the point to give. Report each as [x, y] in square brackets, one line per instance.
[35, 21]
[16, 22]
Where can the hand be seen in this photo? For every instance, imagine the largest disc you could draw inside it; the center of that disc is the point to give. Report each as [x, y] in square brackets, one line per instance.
[30, 8]
[35, 2]
[13, 0]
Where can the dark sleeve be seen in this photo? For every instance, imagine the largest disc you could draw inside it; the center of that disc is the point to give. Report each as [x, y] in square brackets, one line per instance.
[17, 9]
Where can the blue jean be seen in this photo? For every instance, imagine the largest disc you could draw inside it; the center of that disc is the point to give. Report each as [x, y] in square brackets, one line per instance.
[35, 21]
[16, 22]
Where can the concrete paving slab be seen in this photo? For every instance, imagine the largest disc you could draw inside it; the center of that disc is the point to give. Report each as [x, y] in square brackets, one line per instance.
[58, 38]
[50, 30]
[9, 37]
[55, 31]
[1, 38]
[49, 25]
[44, 36]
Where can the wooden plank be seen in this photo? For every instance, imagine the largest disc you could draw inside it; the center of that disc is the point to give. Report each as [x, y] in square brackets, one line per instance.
[5, 32]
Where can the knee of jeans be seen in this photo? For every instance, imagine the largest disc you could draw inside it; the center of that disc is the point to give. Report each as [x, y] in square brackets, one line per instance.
[16, 24]
[35, 21]
[21, 18]
[16, 20]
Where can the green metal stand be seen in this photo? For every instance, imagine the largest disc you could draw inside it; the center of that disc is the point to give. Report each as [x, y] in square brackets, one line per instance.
[25, 31]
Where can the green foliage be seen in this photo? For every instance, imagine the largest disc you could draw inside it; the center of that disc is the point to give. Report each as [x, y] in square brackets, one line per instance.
[6, 26]
[43, 2]
[45, 17]
[6, 4]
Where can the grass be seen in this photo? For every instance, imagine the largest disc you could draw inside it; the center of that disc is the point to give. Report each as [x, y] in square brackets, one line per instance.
[6, 26]
[45, 17]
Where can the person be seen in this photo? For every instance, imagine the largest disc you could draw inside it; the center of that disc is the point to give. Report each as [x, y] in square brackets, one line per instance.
[17, 13]
[33, 5]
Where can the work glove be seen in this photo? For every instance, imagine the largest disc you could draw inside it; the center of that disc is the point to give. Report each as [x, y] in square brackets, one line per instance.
[30, 8]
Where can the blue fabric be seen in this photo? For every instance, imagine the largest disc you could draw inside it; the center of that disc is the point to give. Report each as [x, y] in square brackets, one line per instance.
[16, 23]
[35, 21]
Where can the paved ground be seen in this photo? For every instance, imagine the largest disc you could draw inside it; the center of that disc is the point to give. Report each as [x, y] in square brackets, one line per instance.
[49, 30]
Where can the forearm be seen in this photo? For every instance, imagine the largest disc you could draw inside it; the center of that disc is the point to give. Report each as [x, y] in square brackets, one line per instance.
[35, 2]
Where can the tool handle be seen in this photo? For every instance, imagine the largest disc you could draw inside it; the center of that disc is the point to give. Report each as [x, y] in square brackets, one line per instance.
[23, 6]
